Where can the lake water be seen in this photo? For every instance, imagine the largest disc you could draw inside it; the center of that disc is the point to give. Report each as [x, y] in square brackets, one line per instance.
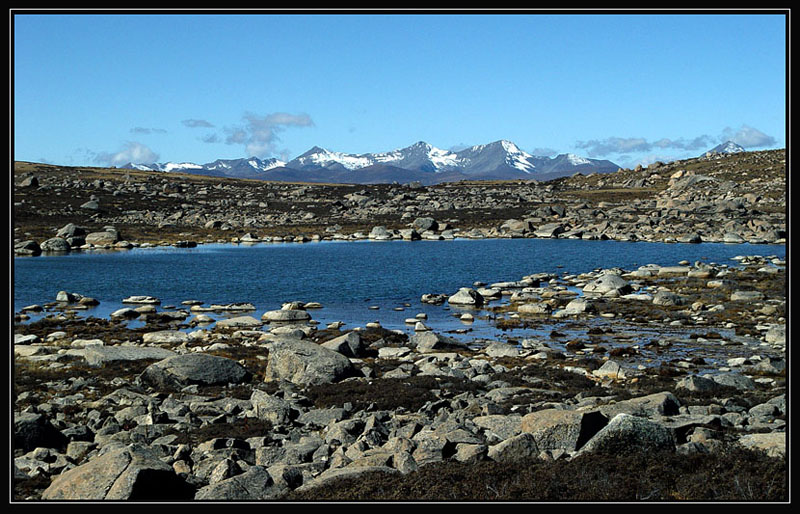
[347, 278]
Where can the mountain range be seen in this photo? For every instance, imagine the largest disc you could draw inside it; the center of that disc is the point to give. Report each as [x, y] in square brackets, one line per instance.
[500, 160]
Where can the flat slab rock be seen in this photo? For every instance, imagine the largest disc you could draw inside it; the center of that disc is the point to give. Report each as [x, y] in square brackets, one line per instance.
[101, 355]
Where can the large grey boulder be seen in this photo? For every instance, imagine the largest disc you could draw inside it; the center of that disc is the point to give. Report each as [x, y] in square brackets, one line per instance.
[466, 296]
[608, 284]
[127, 473]
[423, 224]
[254, 484]
[334, 474]
[736, 380]
[27, 248]
[239, 322]
[625, 433]
[306, 363]
[656, 404]
[697, 383]
[71, 230]
[773, 443]
[349, 345]
[569, 430]
[271, 408]
[667, 299]
[194, 368]
[173, 337]
[550, 230]
[380, 233]
[285, 315]
[102, 238]
[55, 244]
[425, 342]
[33, 430]
[518, 447]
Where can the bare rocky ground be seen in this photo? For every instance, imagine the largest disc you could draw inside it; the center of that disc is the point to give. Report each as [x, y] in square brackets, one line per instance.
[658, 384]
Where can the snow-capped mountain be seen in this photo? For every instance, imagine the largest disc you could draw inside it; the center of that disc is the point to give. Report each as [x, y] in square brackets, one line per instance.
[498, 156]
[252, 167]
[420, 157]
[421, 161]
[726, 148]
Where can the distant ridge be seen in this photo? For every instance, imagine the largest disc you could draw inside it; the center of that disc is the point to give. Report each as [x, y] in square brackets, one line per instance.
[499, 160]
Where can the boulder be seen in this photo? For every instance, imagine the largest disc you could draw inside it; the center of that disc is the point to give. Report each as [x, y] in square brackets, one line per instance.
[55, 244]
[535, 308]
[349, 345]
[71, 230]
[239, 322]
[667, 299]
[423, 224]
[286, 315]
[569, 430]
[430, 341]
[466, 296]
[306, 363]
[271, 408]
[174, 337]
[550, 230]
[380, 233]
[254, 484]
[625, 433]
[128, 473]
[33, 430]
[102, 238]
[608, 284]
[656, 404]
[27, 248]
[773, 443]
[736, 380]
[180, 371]
[518, 447]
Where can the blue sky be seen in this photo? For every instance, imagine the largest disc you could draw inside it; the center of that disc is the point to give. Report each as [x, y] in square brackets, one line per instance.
[92, 89]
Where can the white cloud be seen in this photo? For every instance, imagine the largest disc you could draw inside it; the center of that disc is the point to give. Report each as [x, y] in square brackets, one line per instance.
[259, 134]
[131, 151]
[747, 137]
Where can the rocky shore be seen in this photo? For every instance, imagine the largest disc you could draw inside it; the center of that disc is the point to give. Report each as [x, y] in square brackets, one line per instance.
[656, 383]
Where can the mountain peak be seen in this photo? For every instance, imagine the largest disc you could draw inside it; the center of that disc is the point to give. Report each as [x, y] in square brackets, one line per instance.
[726, 147]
